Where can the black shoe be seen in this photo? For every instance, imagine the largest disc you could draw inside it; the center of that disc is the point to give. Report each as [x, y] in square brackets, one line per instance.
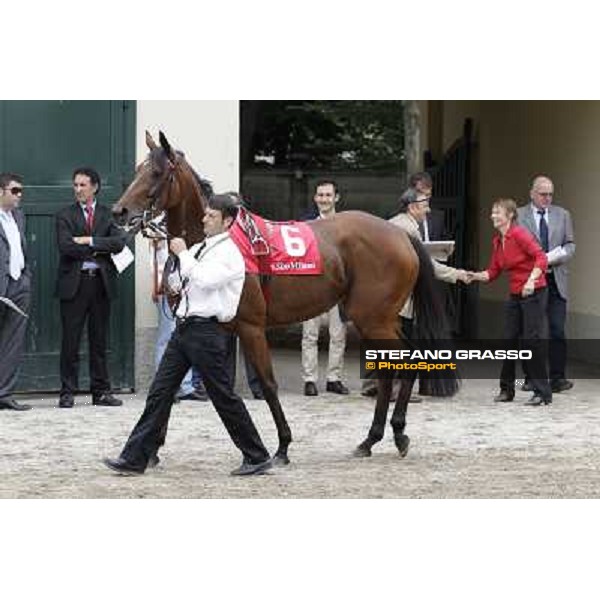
[561, 385]
[121, 466]
[537, 400]
[527, 387]
[336, 387]
[310, 389]
[196, 396]
[153, 461]
[106, 400]
[258, 395]
[66, 401]
[11, 404]
[248, 468]
[369, 392]
[505, 396]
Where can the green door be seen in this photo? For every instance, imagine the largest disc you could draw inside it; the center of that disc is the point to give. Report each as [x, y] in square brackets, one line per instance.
[45, 141]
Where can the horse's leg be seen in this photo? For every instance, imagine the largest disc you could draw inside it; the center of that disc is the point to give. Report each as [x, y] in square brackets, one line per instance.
[258, 354]
[398, 420]
[377, 429]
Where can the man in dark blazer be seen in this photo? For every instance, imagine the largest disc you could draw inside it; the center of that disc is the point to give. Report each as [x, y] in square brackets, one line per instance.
[15, 286]
[87, 236]
[433, 228]
[552, 226]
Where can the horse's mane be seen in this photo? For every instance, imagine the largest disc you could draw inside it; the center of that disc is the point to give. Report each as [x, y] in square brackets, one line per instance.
[205, 185]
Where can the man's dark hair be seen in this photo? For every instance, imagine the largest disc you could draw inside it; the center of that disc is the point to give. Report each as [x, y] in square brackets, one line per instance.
[421, 177]
[327, 182]
[408, 197]
[89, 172]
[227, 204]
[6, 178]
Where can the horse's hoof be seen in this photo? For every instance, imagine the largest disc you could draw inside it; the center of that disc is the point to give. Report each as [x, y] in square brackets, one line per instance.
[402, 443]
[280, 460]
[362, 452]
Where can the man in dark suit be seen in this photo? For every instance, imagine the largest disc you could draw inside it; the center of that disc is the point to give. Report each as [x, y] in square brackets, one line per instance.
[552, 226]
[86, 283]
[433, 227]
[15, 286]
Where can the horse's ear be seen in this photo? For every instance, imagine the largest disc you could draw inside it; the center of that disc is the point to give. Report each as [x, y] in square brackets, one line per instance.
[166, 146]
[150, 141]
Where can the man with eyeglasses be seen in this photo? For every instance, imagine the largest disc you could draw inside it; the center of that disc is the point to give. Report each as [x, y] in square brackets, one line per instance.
[552, 226]
[15, 286]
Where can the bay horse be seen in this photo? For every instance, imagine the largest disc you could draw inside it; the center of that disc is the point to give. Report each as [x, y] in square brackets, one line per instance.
[370, 267]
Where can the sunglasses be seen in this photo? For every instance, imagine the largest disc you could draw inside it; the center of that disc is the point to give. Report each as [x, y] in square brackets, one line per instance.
[15, 190]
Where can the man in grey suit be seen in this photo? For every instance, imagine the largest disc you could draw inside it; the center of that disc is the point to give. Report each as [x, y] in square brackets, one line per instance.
[553, 228]
[15, 285]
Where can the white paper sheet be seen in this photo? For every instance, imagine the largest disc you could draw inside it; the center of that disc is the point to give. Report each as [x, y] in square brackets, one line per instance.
[122, 259]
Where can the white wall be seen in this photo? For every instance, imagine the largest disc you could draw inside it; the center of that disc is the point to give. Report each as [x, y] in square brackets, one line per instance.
[208, 133]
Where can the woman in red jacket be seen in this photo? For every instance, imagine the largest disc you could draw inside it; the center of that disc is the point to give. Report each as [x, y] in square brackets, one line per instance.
[516, 251]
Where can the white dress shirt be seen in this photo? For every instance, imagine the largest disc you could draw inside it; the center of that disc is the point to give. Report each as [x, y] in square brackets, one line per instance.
[213, 282]
[555, 254]
[11, 229]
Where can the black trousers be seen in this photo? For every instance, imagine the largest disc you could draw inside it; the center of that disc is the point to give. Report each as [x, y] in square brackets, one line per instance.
[92, 304]
[556, 312]
[557, 316]
[201, 344]
[525, 321]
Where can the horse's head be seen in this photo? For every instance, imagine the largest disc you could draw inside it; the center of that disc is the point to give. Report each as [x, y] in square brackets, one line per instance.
[161, 183]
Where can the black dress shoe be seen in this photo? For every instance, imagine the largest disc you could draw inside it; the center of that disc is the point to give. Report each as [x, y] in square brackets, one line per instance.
[11, 404]
[537, 400]
[121, 466]
[248, 468]
[106, 400]
[310, 389]
[336, 387]
[561, 385]
[504, 396]
[527, 387]
[66, 401]
[195, 396]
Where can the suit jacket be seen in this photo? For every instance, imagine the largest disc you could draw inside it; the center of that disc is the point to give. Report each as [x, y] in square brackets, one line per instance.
[108, 239]
[5, 252]
[436, 225]
[560, 235]
[441, 271]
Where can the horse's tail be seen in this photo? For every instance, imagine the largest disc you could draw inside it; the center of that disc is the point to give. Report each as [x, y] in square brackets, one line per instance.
[430, 325]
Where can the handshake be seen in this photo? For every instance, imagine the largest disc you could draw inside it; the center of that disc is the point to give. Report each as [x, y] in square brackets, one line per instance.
[468, 277]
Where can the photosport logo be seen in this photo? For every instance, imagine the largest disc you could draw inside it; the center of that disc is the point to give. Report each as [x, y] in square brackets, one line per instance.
[478, 359]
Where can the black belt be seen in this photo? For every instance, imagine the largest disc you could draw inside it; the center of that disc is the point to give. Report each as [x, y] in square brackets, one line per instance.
[90, 272]
[195, 319]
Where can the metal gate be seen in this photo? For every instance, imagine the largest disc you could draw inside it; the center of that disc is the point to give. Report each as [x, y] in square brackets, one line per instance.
[452, 193]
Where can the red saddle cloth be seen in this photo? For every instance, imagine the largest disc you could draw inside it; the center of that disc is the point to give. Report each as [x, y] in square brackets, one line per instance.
[274, 247]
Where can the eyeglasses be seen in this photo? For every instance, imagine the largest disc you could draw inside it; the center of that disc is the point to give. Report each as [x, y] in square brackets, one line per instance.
[15, 190]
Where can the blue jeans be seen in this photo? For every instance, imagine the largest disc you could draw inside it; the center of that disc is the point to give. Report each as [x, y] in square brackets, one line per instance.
[166, 327]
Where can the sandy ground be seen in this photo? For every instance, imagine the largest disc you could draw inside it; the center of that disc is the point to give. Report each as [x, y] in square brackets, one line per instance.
[465, 447]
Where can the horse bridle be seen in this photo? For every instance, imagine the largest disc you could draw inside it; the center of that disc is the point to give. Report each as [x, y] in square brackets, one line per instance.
[155, 193]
